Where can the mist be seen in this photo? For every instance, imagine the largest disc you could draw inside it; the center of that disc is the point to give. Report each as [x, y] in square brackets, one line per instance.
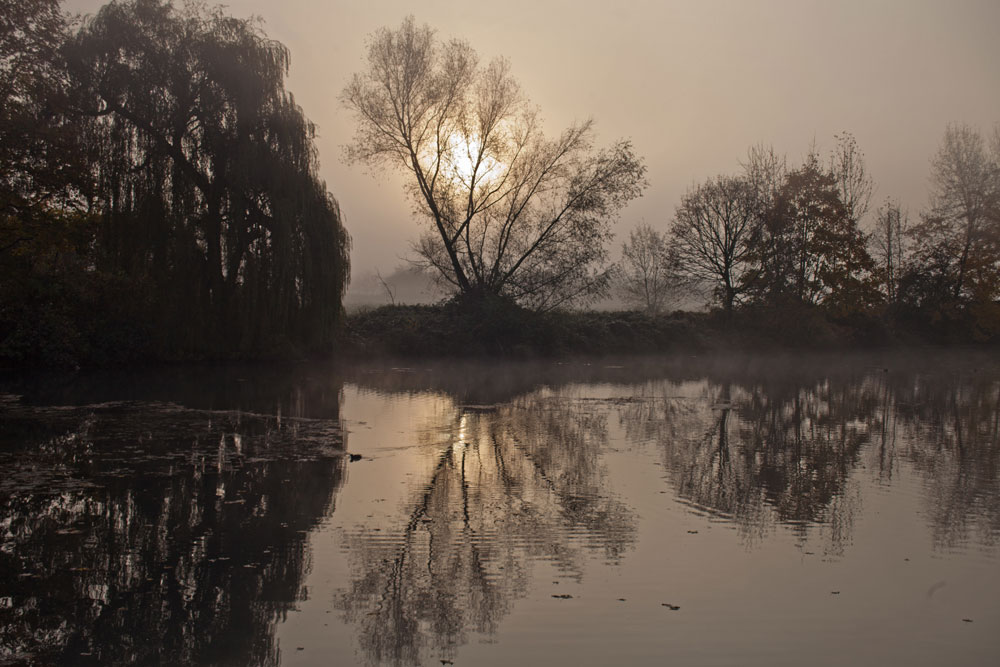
[693, 84]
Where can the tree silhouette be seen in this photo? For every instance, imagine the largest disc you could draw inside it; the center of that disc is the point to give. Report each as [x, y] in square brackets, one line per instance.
[891, 247]
[715, 230]
[955, 273]
[207, 178]
[854, 183]
[810, 250]
[648, 272]
[512, 214]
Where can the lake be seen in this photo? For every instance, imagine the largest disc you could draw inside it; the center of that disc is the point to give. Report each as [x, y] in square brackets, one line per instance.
[740, 510]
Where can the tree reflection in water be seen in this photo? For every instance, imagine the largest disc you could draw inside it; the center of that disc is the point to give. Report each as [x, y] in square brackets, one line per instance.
[137, 533]
[949, 428]
[756, 443]
[513, 484]
[759, 451]
[766, 447]
[125, 521]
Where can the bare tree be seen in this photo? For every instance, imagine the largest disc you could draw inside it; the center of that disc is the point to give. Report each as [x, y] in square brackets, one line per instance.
[959, 235]
[714, 231]
[511, 213]
[855, 185]
[889, 245]
[648, 272]
[765, 171]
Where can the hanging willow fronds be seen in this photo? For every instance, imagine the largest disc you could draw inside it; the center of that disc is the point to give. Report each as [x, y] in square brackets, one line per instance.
[207, 172]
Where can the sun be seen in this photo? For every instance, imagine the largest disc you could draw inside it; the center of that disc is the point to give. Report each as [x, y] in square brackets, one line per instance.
[463, 161]
[468, 162]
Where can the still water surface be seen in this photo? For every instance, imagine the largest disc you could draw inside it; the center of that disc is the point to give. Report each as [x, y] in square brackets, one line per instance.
[760, 510]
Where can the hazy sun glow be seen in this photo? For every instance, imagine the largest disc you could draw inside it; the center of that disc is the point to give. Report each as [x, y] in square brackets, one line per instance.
[465, 161]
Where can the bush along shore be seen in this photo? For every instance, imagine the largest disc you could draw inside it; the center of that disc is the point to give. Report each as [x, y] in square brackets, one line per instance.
[495, 327]
[498, 328]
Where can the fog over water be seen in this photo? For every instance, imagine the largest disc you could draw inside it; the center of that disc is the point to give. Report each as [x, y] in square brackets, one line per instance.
[752, 510]
[693, 84]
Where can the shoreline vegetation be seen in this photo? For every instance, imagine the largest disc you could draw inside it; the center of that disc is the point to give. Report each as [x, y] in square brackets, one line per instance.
[449, 331]
[161, 202]
[504, 331]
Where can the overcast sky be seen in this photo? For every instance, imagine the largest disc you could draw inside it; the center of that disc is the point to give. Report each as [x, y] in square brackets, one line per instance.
[692, 83]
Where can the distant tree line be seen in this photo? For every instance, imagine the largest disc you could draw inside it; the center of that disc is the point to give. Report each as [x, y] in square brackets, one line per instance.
[159, 193]
[799, 242]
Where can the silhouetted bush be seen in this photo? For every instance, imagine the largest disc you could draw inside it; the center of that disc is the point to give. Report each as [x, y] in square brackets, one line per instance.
[496, 328]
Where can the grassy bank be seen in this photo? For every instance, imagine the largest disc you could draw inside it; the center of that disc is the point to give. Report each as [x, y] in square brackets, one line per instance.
[449, 330]
[499, 329]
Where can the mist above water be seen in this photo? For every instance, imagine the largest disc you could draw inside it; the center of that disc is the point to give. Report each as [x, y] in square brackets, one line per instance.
[750, 509]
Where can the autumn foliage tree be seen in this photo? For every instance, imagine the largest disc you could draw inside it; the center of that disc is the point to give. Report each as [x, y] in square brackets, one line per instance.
[781, 238]
[810, 251]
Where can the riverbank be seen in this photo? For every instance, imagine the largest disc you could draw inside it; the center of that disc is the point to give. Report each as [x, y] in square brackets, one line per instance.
[449, 331]
[503, 330]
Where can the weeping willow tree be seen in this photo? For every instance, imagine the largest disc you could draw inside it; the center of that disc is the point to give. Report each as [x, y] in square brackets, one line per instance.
[207, 180]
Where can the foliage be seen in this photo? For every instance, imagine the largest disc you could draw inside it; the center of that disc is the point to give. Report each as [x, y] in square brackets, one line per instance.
[45, 288]
[810, 250]
[54, 308]
[506, 330]
[805, 273]
[950, 284]
[41, 161]
[449, 331]
[511, 213]
[160, 198]
[197, 188]
[208, 176]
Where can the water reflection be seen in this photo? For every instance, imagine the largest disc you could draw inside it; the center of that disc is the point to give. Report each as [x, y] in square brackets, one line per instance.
[757, 443]
[761, 451]
[176, 505]
[301, 391]
[143, 532]
[513, 484]
[948, 425]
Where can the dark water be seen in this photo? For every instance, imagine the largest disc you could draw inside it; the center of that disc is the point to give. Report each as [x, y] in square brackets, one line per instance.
[761, 510]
